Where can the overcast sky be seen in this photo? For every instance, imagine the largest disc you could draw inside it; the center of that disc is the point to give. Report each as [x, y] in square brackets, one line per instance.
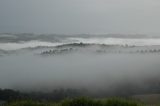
[80, 16]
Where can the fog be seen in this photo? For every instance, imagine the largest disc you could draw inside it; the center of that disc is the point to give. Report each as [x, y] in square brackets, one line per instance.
[105, 46]
[102, 65]
[95, 72]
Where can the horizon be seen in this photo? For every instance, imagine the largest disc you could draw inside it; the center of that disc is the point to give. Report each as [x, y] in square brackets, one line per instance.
[52, 50]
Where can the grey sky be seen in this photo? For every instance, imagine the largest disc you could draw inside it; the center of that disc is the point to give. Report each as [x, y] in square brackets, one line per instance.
[80, 16]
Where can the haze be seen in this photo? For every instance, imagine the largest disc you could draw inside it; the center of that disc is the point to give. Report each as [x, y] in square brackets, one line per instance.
[104, 46]
[80, 16]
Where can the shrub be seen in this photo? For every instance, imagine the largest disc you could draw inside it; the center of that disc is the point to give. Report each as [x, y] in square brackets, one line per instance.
[120, 102]
[81, 101]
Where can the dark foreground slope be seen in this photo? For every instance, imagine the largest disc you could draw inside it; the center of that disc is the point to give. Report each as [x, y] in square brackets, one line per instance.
[72, 97]
[81, 101]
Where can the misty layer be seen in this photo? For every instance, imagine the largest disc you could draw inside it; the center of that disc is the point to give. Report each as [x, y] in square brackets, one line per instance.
[111, 72]
[91, 63]
[19, 41]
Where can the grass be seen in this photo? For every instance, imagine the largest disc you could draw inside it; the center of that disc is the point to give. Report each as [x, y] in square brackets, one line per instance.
[81, 101]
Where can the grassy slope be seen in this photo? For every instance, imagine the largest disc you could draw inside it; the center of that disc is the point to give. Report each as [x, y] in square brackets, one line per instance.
[81, 101]
[149, 98]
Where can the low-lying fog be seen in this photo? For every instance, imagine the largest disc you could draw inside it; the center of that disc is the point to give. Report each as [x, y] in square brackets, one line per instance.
[97, 72]
[91, 71]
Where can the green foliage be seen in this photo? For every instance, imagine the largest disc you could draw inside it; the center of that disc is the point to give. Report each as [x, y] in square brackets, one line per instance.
[25, 103]
[120, 102]
[81, 101]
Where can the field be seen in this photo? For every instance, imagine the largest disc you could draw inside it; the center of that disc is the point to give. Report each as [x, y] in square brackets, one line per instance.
[80, 101]
[149, 98]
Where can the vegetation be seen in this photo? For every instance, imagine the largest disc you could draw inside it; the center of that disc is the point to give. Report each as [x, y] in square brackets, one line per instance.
[81, 101]
[55, 95]
[69, 97]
